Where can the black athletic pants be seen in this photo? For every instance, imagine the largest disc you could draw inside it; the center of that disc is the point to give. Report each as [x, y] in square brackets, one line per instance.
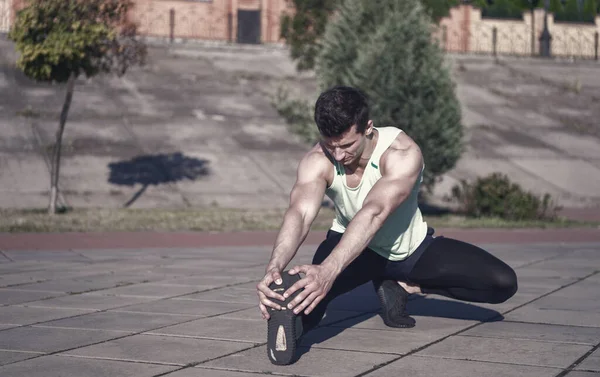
[440, 265]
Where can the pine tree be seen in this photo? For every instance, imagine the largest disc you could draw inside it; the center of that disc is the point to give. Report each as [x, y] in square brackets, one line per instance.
[555, 6]
[385, 48]
[589, 10]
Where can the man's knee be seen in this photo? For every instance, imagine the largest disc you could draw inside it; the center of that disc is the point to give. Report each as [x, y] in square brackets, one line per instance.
[505, 285]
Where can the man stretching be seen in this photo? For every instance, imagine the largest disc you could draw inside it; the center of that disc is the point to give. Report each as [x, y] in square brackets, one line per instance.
[372, 175]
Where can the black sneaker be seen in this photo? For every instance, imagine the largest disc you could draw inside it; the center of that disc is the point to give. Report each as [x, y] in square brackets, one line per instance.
[284, 327]
[393, 304]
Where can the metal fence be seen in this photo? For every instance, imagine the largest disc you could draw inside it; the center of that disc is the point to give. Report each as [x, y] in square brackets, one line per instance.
[567, 40]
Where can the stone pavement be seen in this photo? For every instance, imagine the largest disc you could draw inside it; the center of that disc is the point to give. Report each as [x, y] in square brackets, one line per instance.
[84, 311]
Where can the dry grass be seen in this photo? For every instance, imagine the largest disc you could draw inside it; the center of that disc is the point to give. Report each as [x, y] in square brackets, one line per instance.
[213, 220]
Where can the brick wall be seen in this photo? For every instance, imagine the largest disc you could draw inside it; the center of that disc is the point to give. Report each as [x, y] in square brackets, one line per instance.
[206, 20]
[464, 30]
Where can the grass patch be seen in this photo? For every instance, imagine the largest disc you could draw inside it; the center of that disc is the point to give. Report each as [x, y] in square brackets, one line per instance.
[216, 220]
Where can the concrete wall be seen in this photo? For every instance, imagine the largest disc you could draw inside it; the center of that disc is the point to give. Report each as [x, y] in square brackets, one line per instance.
[5, 15]
[464, 30]
[207, 20]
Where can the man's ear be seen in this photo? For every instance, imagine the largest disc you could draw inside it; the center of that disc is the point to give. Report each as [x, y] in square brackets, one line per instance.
[369, 128]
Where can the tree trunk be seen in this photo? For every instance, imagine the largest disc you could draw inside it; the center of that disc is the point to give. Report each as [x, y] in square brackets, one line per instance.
[58, 144]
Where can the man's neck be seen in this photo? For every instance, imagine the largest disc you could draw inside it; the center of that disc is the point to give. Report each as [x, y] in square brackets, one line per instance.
[366, 154]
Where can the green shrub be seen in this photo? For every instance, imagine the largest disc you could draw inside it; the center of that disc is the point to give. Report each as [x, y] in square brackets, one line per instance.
[495, 196]
[298, 114]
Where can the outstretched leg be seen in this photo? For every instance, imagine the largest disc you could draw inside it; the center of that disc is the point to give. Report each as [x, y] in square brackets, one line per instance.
[463, 271]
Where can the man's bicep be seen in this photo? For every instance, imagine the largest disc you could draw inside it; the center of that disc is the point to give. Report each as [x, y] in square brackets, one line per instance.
[308, 191]
[397, 182]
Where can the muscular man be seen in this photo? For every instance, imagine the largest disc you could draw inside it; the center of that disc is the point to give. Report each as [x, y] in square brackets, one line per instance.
[372, 175]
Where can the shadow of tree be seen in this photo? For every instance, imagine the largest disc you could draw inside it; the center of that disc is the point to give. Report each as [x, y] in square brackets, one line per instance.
[155, 170]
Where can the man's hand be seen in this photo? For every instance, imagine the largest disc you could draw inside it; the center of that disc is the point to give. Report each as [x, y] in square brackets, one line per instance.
[317, 282]
[263, 291]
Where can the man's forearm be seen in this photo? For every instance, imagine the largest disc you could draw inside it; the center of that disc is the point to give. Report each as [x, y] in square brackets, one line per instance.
[356, 238]
[291, 235]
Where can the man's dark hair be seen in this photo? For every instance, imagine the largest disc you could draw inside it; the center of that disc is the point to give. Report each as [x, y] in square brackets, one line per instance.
[339, 108]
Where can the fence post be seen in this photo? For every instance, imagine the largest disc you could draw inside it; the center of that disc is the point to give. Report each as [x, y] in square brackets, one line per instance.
[495, 41]
[230, 27]
[445, 37]
[171, 25]
[596, 46]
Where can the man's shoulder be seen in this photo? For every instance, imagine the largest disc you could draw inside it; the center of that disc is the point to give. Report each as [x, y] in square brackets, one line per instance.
[317, 162]
[401, 151]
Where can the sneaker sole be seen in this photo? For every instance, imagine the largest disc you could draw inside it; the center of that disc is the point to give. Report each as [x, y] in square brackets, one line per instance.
[281, 326]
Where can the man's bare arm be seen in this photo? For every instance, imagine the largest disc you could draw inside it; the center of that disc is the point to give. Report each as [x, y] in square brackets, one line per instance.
[305, 201]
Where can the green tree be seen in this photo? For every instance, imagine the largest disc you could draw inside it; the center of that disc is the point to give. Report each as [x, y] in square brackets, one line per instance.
[60, 40]
[303, 30]
[385, 48]
[555, 6]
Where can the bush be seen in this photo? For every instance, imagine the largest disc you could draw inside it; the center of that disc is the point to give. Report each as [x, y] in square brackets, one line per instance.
[386, 49]
[298, 114]
[495, 196]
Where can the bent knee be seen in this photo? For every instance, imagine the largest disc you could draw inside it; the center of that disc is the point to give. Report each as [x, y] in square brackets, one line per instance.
[505, 286]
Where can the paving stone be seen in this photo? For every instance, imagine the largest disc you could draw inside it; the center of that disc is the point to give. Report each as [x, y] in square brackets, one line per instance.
[157, 290]
[438, 306]
[533, 331]
[591, 363]
[41, 255]
[15, 296]
[228, 294]
[22, 315]
[525, 352]
[161, 349]
[7, 357]
[89, 301]
[61, 366]
[393, 341]
[204, 372]
[568, 303]
[315, 362]
[122, 321]
[581, 374]
[438, 326]
[416, 366]
[66, 286]
[210, 280]
[556, 317]
[586, 290]
[189, 307]
[49, 339]
[220, 328]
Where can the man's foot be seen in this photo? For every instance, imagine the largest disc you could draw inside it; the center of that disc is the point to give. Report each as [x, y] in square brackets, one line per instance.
[284, 327]
[410, 289]
[393, 304]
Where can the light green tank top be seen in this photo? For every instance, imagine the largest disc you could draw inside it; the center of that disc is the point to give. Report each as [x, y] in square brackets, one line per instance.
[403, 230]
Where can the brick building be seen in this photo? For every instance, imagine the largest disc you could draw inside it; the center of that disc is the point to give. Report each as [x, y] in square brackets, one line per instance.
[242, 21]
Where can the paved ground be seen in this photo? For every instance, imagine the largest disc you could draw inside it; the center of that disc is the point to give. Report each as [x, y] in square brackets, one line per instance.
[196, 127]
[183, 312]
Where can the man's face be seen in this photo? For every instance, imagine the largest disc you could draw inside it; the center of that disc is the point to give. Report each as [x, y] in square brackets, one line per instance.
[347, 148]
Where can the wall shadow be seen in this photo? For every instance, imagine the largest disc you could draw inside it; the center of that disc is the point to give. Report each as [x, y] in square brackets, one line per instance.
[156, 169]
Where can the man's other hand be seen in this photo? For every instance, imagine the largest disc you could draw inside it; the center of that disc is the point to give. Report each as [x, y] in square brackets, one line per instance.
[316, 283]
